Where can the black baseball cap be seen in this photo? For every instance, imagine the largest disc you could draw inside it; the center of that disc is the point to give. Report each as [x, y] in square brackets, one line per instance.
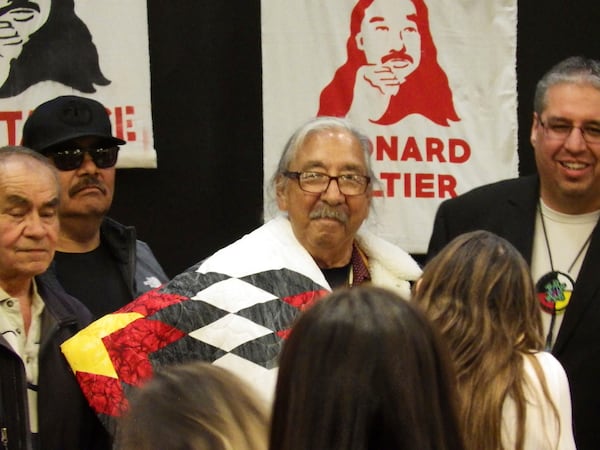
[65, 118]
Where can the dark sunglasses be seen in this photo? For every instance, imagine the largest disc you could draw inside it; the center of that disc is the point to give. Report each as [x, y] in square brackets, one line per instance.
[73, 159]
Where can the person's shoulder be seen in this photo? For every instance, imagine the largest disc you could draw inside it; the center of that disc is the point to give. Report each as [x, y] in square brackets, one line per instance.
[496, 190]
[547, 359]
[116, 235]
[272, 233]
[143, 250]
[271, 246]
[499, 188]
[148, 266]
[379, 248]
[390, 266]
[62, 305]
[110, 225]
[553, 370]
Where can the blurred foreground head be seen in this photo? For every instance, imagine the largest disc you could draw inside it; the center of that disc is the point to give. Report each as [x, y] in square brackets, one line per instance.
[194, 406]
[364, 370]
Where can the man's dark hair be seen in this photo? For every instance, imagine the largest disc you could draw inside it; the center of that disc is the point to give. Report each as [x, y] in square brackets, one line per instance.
[362, 370]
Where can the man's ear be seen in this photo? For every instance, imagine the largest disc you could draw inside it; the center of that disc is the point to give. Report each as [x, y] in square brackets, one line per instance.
[534, 128]
[280, 185]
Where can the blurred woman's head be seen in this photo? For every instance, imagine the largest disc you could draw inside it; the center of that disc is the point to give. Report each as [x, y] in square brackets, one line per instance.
[479, 291]
[194, 406]
[364, 370]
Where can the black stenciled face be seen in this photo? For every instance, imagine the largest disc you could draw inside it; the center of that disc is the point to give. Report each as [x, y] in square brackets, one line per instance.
[19, 19]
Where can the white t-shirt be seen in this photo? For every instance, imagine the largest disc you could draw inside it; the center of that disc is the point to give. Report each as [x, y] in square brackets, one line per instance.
[542, 429]
[566, 234]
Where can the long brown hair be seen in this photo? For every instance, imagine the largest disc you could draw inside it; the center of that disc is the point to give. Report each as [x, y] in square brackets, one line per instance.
[364, 370]
[479, 292]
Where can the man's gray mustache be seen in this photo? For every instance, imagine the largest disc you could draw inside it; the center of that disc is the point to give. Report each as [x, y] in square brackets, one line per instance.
[329, 213]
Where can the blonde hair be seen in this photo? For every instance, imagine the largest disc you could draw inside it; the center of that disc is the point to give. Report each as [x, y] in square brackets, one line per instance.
[194, 406]
[479, 292]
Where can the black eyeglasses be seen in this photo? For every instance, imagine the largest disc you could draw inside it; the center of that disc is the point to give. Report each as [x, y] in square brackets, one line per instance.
[317, 182]
[73, 159]
[561, 131]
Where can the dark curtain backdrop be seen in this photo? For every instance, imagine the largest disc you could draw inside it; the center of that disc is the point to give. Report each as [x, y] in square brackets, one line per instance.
[206, 104]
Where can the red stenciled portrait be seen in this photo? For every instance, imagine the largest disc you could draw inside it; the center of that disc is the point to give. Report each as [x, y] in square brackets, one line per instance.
[391, 69]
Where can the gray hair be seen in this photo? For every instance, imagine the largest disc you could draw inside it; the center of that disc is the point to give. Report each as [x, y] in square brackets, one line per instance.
[574, 70]
[9, 151]
[315, 126]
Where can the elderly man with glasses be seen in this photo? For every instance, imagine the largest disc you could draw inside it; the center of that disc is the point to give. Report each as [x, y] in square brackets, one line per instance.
[236, 307]
[552, 219]
[98, 260]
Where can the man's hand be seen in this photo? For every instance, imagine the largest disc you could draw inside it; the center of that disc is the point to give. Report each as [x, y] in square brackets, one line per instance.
[373, 89]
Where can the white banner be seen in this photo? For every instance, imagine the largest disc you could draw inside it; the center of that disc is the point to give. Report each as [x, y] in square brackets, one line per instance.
[78, 47]
[433, 85]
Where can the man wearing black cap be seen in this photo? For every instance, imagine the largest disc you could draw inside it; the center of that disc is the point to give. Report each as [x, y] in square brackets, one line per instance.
[98, 260]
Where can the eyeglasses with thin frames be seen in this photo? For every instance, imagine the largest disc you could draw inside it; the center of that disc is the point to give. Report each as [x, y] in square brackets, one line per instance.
[317, 182]
[561, 131]
[72, 159]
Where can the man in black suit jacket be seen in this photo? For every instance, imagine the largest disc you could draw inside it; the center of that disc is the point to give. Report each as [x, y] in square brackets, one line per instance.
[552, 219]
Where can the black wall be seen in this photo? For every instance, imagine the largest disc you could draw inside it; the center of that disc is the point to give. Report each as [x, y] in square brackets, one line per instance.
[206, 105]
